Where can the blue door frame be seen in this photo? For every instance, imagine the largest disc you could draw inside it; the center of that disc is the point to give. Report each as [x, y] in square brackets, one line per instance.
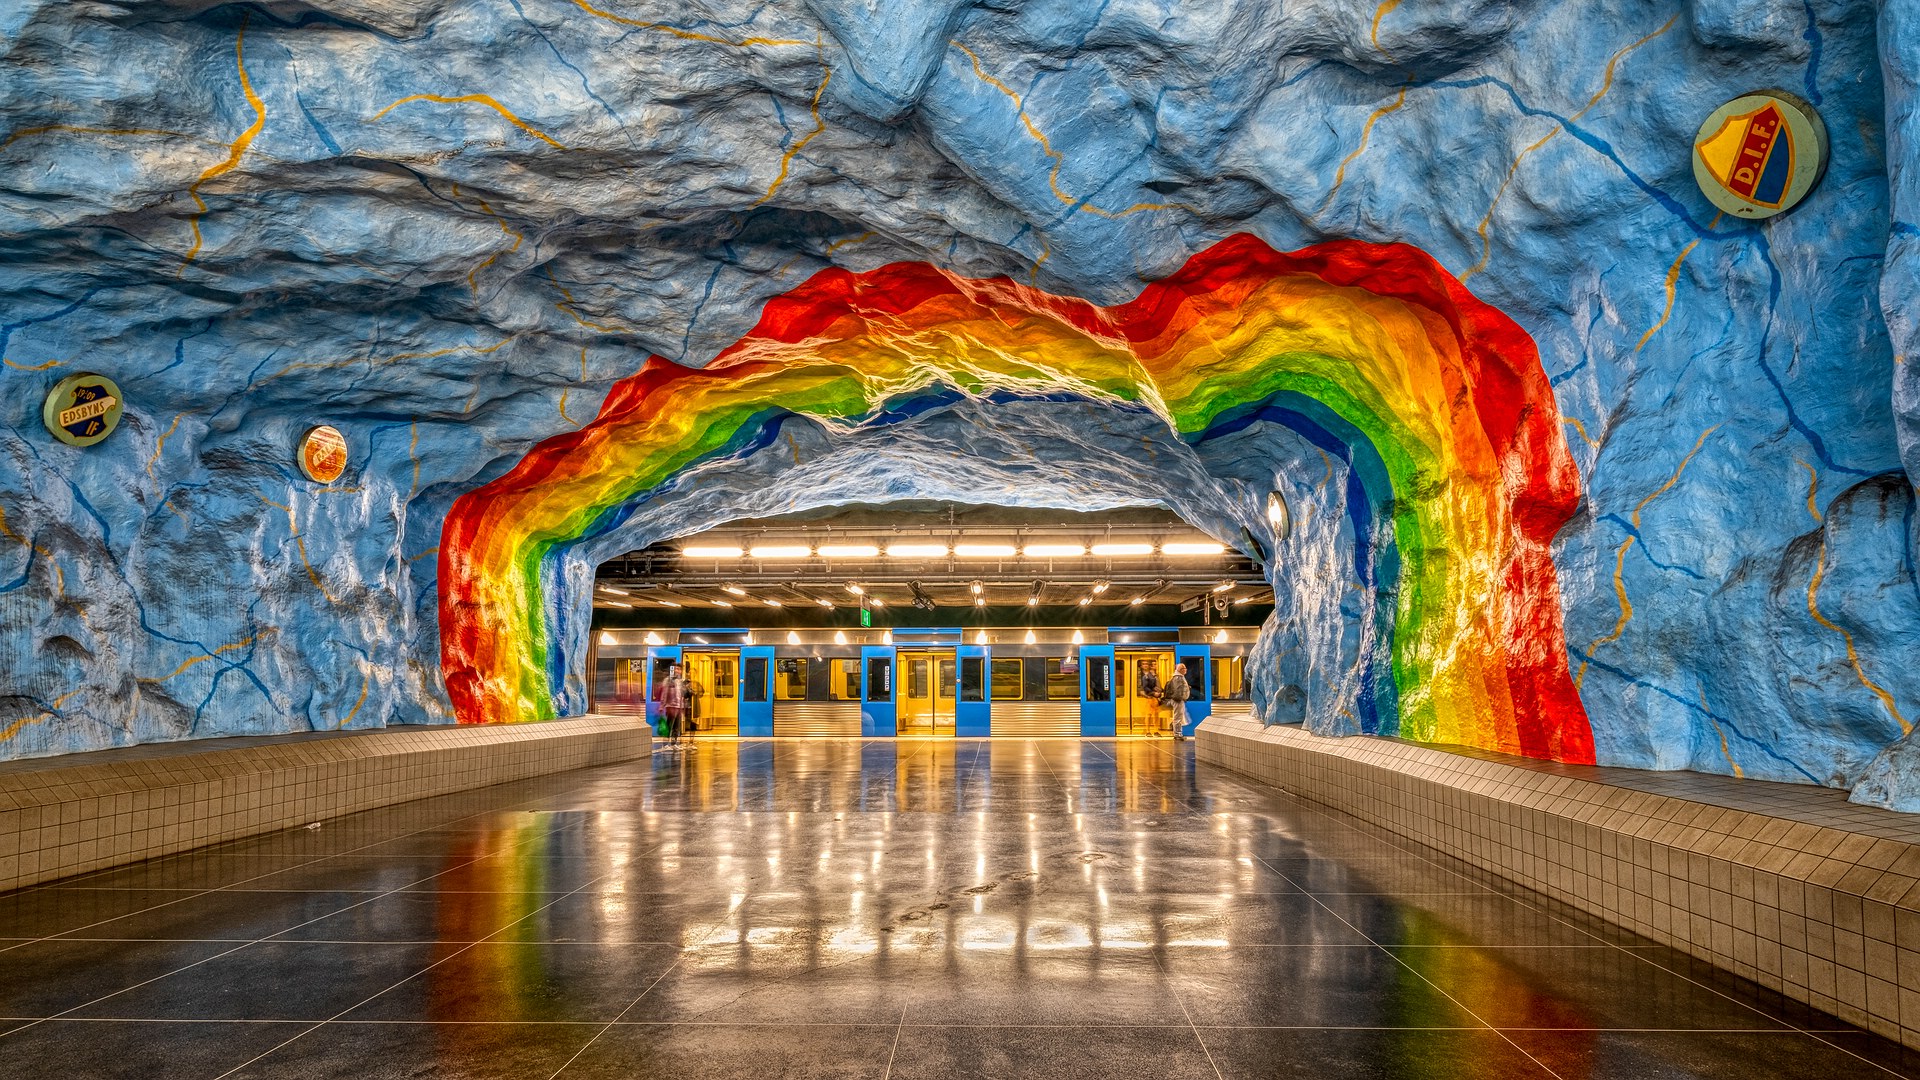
[657, 652]
[756, 717]
[1199, 659]
[1096, 717]
[972, 719]
[878, 719]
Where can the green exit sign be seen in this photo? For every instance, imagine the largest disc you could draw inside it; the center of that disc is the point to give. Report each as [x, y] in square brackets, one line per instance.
[866, 617]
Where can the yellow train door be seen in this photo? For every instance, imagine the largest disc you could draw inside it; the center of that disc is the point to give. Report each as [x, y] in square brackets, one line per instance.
[716, 692]
[1139, 677]
[929, 687]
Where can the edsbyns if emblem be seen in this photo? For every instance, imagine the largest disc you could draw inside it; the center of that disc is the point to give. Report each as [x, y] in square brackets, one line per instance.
[1759, 154]
[81, 410]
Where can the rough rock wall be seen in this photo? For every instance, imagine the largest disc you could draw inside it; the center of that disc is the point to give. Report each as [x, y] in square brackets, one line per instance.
[449, 228]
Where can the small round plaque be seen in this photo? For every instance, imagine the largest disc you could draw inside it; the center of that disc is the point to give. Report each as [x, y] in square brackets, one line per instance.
[1759, 154]
[81, 410]
[323, 454]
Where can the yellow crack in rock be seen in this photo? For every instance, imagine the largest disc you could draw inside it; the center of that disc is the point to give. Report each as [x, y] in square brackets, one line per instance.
[1813, 491]
[1366, 132]
[1059, 162]
[1853, 654]
[19, 725]
[36, 367]
[235, 150]
[1673, 285]
[1581, 428]
[1606, 84]
[1620, 559]
[473, 99]
[685, 35]
[1386, 8]
[819, 125]
[518, 239]
[1725, 750]
[569, 304]
[162, 443]
[229, 647]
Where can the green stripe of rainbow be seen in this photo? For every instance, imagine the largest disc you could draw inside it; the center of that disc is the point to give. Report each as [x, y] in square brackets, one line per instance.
[1442, 396]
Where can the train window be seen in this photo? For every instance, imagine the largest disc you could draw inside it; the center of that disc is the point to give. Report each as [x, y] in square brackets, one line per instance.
[844, 683]
[1196, 676]
[1230, 678]
[723, 685]
[973, 678]
[1007, 677]
[1061, 685]
[880, 679]
[791, 685]
[1099, 678]
[662, 667]
[753, 679]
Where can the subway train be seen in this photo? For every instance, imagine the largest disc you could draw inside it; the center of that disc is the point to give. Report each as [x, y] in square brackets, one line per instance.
[925, 682]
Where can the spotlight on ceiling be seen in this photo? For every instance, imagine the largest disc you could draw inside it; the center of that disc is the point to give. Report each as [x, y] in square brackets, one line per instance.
[1085, 600]
[825, 603]
[976, 587]
[1033, 595]
[979, 601]
[876, 601]
[1136, 601]
[921, 600]
[1101, 586]
[854, 588]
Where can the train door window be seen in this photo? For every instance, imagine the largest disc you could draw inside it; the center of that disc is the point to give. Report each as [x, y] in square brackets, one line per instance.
[1196, 678]
[753, 679]
[1230, 678]
[1007, 677]
[945, 678]
[662, 667]
[973, 678]
[1063, 683]
[880, 679]
[917, 687]
[1099, 678]
[843, 682]
[723, 682]
[792, 683]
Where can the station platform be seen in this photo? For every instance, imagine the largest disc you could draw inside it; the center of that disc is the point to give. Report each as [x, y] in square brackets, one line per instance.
[892, 908]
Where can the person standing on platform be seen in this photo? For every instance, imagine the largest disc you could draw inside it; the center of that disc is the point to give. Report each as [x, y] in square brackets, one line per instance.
[1176, 694]
[673, 704]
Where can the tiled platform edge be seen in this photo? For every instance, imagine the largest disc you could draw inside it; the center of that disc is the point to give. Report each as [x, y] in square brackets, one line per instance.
[70, 815]
[1790, 887]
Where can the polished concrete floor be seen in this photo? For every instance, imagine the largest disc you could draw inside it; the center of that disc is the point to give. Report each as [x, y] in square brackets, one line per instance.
[815, 909]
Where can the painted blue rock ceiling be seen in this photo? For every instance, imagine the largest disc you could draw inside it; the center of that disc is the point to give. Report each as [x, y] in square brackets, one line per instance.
[447, 228]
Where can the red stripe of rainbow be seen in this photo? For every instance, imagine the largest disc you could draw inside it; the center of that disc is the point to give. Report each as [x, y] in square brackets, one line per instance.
[1440, 400]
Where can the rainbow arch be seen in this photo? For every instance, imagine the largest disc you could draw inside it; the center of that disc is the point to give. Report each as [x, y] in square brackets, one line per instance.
[1460, 472]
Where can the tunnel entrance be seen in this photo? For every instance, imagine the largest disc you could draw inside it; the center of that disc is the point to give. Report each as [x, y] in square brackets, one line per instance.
[931, 620]
[1349, 415]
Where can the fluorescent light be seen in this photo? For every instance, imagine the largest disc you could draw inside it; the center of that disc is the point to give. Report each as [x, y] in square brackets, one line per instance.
[1122, 549]
[612, 603]
[734, 589]
[667, 603]
[849, 551]
[984, 551]
[839, 637]
[773, 603]
[1030, 638]
[614, 591]
[916, 551]
[711, 552]
[825, 603]
[855, 589]
[1186, 547]
[779, 551]
[1053, 551]
[1224, 586]
[723, 603]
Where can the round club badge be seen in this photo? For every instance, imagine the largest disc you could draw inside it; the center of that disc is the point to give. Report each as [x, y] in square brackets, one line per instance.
[81, 410]
[1760, 154]
[323, 454]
